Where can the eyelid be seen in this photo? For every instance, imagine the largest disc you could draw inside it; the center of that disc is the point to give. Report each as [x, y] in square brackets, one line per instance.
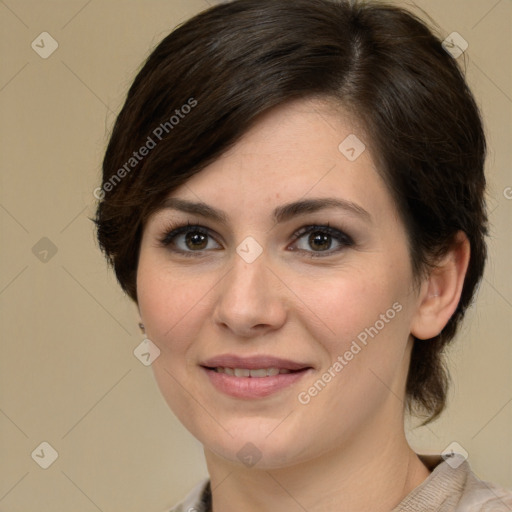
[177, 229]
[326, 228]
[339, 235]
[173, 231]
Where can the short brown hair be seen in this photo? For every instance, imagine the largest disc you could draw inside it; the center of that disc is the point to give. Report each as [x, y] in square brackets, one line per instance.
[240, 59]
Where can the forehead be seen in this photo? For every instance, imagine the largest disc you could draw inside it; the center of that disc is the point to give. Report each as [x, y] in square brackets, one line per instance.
[296, 129]
[305, 148]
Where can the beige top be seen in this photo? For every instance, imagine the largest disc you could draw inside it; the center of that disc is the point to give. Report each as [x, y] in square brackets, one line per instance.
[451, 487]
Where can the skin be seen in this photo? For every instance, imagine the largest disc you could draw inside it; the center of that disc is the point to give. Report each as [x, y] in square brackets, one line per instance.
[345, 449]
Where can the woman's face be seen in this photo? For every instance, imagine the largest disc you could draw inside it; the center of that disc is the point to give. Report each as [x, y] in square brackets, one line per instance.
[295, 261]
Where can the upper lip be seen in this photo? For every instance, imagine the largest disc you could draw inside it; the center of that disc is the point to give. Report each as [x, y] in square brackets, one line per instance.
[253, 363]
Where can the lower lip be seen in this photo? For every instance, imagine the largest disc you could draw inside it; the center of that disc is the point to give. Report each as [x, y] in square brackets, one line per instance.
[252, 387]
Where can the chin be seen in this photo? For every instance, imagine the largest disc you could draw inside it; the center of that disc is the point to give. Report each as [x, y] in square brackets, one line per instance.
[252, 447]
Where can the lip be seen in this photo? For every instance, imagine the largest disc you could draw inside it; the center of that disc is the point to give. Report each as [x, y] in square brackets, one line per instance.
[253, 363]
[250, 388]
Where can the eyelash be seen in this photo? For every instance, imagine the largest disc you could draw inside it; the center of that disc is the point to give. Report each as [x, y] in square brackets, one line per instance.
[342, 238]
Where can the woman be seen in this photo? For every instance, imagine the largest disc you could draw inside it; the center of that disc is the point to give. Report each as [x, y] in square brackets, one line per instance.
[293, 196]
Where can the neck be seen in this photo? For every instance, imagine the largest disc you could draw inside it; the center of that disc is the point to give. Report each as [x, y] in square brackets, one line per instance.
[372, 475]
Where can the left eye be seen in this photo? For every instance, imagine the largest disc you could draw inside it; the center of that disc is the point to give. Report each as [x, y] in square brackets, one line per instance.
[320, 239]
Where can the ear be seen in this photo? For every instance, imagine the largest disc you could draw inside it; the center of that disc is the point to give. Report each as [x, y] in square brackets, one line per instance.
[440, 292]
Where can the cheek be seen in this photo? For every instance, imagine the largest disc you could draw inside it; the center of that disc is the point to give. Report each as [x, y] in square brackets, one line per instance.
[352, 305]
[170, 303]
[363, 324]
[170, 308]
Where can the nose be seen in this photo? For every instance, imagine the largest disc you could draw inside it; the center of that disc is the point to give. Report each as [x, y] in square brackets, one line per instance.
[250, 299]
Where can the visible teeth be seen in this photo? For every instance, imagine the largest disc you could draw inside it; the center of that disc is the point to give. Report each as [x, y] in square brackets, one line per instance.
[244, 372]
[259, 373]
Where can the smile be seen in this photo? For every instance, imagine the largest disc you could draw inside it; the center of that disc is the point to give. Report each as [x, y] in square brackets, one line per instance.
[254, 377]
[246, 372]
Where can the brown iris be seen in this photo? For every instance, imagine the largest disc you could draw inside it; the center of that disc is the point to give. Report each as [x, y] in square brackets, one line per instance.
[196, 240]
[320, 241]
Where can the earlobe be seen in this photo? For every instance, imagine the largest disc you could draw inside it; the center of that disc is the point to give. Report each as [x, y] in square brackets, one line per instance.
[440, 292]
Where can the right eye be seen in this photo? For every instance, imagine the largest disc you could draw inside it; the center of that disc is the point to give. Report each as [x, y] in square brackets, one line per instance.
[189, 239]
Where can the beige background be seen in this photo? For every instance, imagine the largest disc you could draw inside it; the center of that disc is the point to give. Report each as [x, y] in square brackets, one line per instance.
[68, 375]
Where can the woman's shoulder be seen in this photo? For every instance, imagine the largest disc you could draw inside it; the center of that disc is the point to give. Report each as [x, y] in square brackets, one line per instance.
[482, 496]
[453, 487]
[195, 501]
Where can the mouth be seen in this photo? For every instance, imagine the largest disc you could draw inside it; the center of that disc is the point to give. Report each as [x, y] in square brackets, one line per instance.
[255, 377]
[258, 373]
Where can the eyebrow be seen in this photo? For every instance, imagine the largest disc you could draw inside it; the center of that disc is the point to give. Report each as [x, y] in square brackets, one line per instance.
[280, 214]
